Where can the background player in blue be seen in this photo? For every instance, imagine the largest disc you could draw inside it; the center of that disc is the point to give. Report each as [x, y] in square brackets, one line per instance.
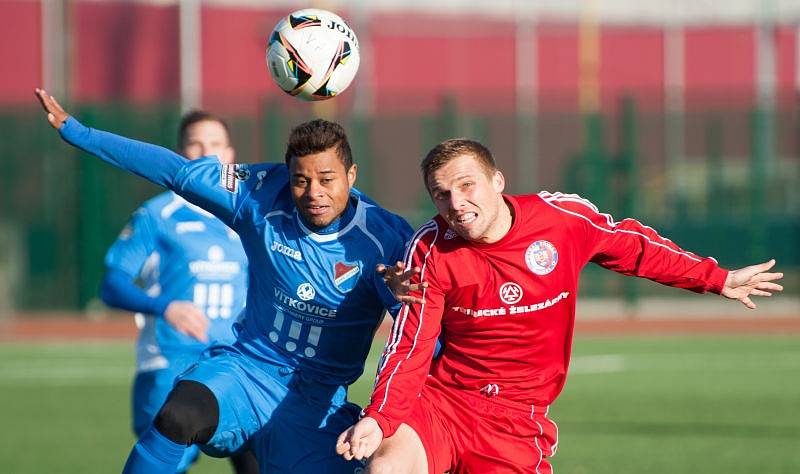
[184, 273]
[313, 300]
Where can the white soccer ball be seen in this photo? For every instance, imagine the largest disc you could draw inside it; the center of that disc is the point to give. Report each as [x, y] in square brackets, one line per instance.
[312, 54]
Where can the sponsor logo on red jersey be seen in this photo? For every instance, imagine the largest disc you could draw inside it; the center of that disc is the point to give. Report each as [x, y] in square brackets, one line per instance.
[510, 293]
[541, 257]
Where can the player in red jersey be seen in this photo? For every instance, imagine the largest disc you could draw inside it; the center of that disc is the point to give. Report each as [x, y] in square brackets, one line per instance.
[499, 278]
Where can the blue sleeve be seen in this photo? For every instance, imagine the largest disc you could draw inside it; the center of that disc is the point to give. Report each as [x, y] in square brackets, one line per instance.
[125, 260]
[204, 182]
[135, 243]
[118, 290]
[151, 162]
[225, 190]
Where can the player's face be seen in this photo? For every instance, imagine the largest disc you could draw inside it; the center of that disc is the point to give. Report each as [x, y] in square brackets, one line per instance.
[321, 186]
[206, 138]
[470, 199]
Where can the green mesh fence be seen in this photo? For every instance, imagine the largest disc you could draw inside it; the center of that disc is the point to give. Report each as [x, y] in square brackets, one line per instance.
[733, 192]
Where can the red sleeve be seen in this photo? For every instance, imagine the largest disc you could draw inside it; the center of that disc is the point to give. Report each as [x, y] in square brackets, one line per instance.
[407, 356]
[631, 248]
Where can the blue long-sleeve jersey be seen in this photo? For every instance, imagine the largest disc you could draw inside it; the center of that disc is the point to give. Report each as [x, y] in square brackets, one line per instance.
[176, 251]
[314, 300]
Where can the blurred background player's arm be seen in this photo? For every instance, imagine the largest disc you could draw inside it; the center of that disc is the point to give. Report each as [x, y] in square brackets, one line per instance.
[118, 289]
[125, 261]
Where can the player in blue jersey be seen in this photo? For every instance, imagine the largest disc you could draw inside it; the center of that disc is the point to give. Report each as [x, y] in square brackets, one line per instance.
[184, 273]
[313, 300]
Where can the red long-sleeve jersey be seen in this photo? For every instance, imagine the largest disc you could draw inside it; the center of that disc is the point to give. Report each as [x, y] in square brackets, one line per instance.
[507, 309]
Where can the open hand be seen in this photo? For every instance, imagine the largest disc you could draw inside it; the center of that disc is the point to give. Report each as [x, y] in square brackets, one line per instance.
[55, 113]
[397, 279]
[750, 281]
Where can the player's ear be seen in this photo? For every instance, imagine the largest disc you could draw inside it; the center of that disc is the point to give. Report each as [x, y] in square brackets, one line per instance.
[351, 175]
[498, 181]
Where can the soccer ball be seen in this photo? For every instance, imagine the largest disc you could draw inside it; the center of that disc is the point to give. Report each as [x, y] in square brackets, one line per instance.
[312, 54]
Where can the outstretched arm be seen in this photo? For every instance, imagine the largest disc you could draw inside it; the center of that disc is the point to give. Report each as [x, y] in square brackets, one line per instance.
[204, 182]
[151, 162]
[753, 280]
[635, 249]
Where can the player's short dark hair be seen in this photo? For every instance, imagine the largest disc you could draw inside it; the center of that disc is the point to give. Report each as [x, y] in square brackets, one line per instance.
[442, 153]
[194, 116]
[317, 136]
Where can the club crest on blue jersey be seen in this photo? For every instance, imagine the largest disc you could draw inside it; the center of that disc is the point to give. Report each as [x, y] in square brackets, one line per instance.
[541, 257]
[345, 275]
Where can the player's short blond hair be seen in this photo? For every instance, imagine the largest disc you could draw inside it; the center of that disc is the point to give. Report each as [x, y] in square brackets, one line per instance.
[448, 150]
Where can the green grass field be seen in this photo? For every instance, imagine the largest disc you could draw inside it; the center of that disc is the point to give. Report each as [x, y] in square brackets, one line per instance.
[726, 404]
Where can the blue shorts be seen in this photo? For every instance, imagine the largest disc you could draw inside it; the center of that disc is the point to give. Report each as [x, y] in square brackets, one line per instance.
[150, 390]
[289, 421]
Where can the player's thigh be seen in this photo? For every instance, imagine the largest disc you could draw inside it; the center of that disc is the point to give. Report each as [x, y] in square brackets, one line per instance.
[247, 396]
[304, 429]
[401, 453]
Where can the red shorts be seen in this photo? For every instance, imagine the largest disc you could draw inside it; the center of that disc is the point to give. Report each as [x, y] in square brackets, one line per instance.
[467, 432]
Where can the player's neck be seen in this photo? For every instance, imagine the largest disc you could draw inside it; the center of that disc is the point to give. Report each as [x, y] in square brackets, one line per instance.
[501, 225]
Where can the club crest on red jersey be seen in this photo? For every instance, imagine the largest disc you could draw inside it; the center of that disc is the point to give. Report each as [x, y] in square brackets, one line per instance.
[541, 257]
[510, 292]
[345, 275]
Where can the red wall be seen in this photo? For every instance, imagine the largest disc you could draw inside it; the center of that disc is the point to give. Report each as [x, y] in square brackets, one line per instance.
[557, 66]
[129, 51]
[234, 64]
[720, 66]
[785, 57]
[470, 58]
[632, 63]
[21, 51]
[125, 51]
